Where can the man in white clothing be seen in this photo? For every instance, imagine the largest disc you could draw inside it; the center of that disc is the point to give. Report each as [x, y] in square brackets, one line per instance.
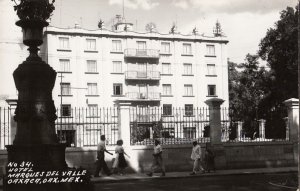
[196, 157]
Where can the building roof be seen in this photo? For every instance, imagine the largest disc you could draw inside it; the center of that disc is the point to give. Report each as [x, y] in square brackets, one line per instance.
[133, 34]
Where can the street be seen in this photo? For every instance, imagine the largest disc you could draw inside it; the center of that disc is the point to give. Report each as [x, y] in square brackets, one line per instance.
[260, 182]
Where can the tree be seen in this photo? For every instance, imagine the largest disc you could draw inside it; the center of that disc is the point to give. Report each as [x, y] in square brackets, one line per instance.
[279, 49]
[247, 89]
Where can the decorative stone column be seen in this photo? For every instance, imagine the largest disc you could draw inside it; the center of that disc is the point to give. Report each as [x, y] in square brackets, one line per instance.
[262, 132]
[124, 121]
[293, 123]
[239, 130]
[215, 119]
[215, 131]
[293, 118]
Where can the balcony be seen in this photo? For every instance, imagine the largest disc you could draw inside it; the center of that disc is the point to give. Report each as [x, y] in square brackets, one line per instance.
[137, 96]
[142, 75]
[141, 53]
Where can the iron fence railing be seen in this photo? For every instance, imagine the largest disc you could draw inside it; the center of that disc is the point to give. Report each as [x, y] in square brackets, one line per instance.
[6, 119]
[260, 130]
[84, 126]
[81, 127]
[170, 125]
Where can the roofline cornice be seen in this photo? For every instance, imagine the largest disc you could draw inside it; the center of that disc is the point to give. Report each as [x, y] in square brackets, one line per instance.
[122, 36]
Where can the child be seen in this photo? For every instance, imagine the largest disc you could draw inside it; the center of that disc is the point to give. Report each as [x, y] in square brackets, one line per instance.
[209, 159]
[120, 162]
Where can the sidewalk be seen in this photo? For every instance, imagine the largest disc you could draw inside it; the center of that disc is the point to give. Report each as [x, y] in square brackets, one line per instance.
[140, 176]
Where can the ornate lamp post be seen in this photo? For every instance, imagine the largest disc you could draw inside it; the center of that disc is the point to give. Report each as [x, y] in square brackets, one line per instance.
[35, 140]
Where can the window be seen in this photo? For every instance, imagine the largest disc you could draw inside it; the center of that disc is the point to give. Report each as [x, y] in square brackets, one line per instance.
[118, 89]
[66, 110]
[117, 67]
[166, 68]
[189, 132]
[187, 69]
[64, 65]
[141, 45]
[65, 88]
[211, 69]
[91, 44]
[92, 89]
[116, 46]
[188, 90]
[167, 89]
[92, 110]
[211, 90]
[167, 109]
[188, 108]
[64, 43]
[210, 50]
[165, 47]
[187, 49]
[91, 66]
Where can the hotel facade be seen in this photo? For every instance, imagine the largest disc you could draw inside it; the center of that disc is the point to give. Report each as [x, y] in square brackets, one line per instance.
[97, 68]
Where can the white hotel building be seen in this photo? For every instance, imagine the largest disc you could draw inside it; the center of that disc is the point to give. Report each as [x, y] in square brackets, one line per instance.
[145, 69]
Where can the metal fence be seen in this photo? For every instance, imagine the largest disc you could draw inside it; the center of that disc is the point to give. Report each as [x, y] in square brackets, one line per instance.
[6, 119]
[169, 125]
[80, 127]
[275, 127]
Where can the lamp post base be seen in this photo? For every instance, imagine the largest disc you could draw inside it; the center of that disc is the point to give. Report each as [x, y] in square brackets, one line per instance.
[44, 158]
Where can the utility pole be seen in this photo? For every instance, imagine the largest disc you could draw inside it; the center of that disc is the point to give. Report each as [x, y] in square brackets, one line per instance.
[61, 101]
[298, 92]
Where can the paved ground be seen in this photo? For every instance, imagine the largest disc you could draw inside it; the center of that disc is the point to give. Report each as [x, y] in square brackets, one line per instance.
[249, 182]
[269, 179]
[262, 179]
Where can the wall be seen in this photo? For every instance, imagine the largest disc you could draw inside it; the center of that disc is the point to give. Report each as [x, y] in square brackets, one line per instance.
[256, 155]
[177, 157]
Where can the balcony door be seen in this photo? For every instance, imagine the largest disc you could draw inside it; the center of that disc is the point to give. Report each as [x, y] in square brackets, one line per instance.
[141, 48]
[142, 91]
[142, 70]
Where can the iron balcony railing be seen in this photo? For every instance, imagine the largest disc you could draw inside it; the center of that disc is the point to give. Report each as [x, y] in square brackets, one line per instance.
[150, 96]
[141, 53]
[142, 75]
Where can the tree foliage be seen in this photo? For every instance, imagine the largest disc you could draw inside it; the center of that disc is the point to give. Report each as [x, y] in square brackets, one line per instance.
[257, 93]
[279, 49]
[248, 86]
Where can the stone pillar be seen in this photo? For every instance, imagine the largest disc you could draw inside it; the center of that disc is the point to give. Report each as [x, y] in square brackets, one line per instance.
[124, 122]
[215, 119]
[293, 123]
[262, 132]
[215, 131]
[293, 118]
[239, 130]
[287, 130]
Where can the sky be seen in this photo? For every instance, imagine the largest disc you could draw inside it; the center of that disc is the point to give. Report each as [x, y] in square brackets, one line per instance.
[244, 22]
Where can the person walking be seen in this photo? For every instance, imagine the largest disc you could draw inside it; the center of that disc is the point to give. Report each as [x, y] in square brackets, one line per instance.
[120, 162]
[100, 163]
[157, 159]
[209, 159]
[196, 157]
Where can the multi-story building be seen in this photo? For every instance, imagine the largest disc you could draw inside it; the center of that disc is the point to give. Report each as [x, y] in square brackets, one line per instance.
[98, 67]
